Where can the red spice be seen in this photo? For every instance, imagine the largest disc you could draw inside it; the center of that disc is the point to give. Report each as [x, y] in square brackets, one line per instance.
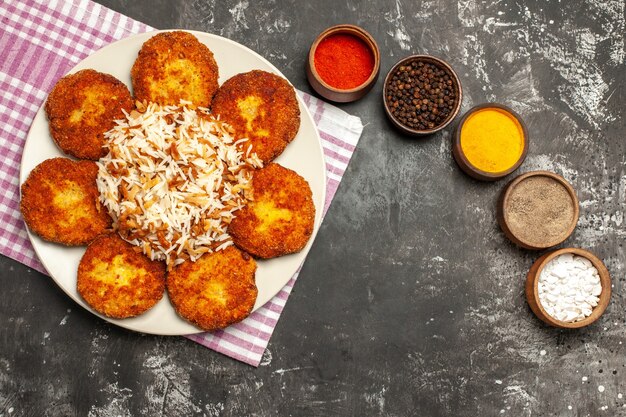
[343, 61]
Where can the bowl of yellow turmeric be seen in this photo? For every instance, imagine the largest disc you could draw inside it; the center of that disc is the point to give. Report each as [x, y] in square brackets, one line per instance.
[490, 142]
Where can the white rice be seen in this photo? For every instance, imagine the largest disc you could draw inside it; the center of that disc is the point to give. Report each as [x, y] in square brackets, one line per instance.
[173, 179]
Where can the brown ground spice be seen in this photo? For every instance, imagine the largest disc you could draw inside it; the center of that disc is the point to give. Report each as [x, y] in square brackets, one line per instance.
[539, 210]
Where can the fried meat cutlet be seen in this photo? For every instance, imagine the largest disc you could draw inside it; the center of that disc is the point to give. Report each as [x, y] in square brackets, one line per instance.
[262, 107]
[215, 291]
[82, 107]
[279, 220]
[118, 281]
[174, 66]
[60, 202]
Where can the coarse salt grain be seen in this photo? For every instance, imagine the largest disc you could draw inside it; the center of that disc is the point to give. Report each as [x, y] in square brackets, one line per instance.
[173, 179]
[601, 388]
[569, 288]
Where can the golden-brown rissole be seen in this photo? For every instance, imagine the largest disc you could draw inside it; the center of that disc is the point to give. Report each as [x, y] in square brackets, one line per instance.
[215, 291]
[82, 107]
[279, 220]
[60, 202]
[174, 66]
[118, 281]
[262, 107]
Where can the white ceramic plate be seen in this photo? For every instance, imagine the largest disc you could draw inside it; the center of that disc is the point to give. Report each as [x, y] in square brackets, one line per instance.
[304, 155]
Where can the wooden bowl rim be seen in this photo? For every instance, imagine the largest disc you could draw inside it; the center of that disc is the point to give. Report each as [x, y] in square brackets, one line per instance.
[355, 31]
[457, 87]
[502, 209]
[533, 279]
[466, 165]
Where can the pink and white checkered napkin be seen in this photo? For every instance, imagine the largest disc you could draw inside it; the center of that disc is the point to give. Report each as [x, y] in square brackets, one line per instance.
[40, 40]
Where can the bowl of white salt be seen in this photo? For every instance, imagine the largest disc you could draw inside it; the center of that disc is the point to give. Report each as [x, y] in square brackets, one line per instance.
[568, 288]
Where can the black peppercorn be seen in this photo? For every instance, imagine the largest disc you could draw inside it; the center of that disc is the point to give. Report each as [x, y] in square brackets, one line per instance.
[420, 95]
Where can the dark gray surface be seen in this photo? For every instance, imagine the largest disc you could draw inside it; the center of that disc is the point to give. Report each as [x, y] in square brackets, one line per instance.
[411, 300]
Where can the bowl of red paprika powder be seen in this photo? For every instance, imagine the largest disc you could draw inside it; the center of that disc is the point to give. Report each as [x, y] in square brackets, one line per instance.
[343, 64]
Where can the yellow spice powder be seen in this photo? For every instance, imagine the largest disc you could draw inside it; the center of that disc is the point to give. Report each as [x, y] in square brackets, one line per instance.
[492, 139]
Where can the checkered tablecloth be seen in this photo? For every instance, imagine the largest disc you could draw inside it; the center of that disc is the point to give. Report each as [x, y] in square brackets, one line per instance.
[40, 41]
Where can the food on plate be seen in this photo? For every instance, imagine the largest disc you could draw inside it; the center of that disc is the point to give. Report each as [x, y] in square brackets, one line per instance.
[279, 219]
[174, 66]
[116, 280]
[262, 107]
[215, 291]
[60, 202]
[171, 169]
[81, 107]
[172, 180]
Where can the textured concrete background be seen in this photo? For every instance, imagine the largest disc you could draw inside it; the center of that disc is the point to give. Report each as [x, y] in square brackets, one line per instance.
[411, 300]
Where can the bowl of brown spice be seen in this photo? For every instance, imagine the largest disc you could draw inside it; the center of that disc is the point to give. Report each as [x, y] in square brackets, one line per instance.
[538, 210]
[422, 94]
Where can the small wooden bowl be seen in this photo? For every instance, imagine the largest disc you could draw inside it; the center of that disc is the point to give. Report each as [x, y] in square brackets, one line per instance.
[502, 213]
[456, 85]
[466, 165]
[335, 94]
[532, 289]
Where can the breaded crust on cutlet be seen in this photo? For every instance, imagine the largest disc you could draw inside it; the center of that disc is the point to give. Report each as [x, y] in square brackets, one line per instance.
[117, 280]
[172, 66]
[60, 202]
[262, 107]
[82, 107]
[279, 220]
[215, 291]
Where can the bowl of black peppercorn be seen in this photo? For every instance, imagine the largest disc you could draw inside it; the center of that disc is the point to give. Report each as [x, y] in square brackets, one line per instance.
[422, 94]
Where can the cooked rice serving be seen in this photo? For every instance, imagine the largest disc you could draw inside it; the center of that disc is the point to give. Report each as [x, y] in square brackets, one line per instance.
[173, 179]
